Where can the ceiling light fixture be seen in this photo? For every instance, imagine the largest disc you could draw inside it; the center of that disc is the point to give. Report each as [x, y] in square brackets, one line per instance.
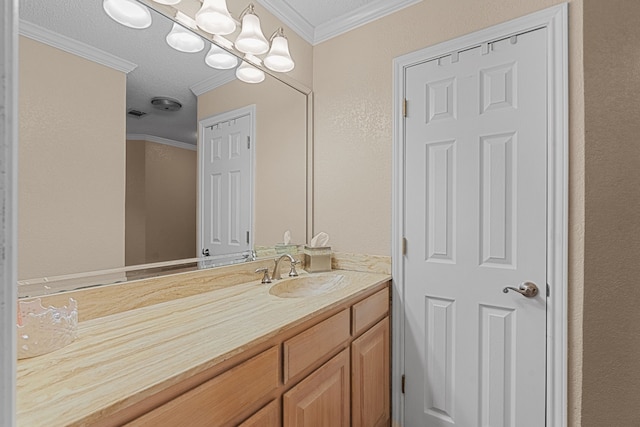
[214, 17]
[247, 72]
[251, 40]
[181, 38]
[129, 13]
[166, 104]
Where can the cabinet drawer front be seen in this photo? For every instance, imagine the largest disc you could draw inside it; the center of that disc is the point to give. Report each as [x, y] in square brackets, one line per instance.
[368, 311]
[269, 416]
[232, 395]
[312, 345]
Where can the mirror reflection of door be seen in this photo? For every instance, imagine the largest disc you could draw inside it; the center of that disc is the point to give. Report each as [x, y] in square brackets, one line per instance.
[226, 185]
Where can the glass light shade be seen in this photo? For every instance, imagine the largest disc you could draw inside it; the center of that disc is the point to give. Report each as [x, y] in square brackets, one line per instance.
[247, 72]
[129, 13]
[220, 59]
[169, 2]
[251, 40]
[213, 17]
[279, 58]
[184, 40]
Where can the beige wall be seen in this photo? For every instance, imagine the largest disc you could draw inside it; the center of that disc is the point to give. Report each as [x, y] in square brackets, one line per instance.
[161, 203]
[352, 82]
[135, 205]
[611, 363]
[71, 163]
[280, 186]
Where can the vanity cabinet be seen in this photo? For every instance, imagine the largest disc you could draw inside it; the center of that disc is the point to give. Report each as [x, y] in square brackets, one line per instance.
[330, 370]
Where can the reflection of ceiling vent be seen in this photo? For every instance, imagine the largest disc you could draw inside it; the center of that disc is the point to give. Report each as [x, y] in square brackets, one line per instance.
[136, 113]
[166, 104]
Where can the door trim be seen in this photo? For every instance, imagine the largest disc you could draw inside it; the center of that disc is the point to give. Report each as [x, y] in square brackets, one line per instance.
[555, 20]
[249, 110]
[9, 200]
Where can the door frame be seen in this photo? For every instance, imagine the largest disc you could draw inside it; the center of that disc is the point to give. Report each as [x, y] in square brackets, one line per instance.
[9, 201]
[555, 20]
[249, 110]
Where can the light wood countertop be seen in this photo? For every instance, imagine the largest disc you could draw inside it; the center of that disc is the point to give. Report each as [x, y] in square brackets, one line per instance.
[121, 359]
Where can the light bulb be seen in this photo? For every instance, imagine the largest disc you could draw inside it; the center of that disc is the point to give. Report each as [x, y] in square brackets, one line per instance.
[184, 40]
[279, 58]
[129, 13]
[251, 40]
[220, 58]
[247, 72]
[213, 17]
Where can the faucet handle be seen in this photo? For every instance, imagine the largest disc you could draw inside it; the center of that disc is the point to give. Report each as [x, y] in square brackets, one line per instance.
[293, 272]
[265, 278]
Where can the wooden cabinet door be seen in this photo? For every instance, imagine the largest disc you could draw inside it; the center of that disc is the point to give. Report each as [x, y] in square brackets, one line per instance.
[370, 377]
[321, 399]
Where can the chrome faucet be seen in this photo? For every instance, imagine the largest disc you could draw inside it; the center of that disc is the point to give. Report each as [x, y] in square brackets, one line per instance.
[276, 270]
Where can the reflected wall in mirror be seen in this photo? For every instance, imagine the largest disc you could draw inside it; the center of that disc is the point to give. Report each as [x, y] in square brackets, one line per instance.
[100, 189]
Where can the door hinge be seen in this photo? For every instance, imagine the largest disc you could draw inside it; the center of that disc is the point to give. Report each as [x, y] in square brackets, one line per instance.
[404, 107]
[247, 237]
[548, 290]
[402, 385]
[404, 246]
[248, 142]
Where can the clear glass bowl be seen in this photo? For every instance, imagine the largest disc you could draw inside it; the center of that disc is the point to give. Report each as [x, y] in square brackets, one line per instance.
[42, 330]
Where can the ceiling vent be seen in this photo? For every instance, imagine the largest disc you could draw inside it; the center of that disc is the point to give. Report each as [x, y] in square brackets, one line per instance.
[137, 114]
[166, 104]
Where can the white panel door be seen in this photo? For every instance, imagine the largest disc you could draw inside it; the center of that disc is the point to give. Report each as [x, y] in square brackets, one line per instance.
[225, 181]
[475, 223]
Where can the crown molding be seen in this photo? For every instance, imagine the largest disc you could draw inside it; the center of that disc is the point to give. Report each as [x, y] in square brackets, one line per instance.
[290, 17]
[323, 32]
[159, 140]
[67, 44]
[358, 17]
[218, 79]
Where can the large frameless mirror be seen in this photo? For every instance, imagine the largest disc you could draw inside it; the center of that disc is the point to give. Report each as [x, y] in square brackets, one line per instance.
[111, 146]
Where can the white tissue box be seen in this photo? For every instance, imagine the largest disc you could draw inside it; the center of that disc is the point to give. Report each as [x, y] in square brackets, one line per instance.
[317, 259]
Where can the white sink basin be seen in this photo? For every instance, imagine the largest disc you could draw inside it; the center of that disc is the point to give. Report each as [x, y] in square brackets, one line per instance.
[305, 286]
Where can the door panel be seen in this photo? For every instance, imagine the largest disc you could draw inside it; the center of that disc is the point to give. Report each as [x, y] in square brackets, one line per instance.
[321, 399]
[475, 221]
[370, 377]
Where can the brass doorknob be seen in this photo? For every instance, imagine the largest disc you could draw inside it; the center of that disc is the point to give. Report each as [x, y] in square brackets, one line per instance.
[528, 289]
